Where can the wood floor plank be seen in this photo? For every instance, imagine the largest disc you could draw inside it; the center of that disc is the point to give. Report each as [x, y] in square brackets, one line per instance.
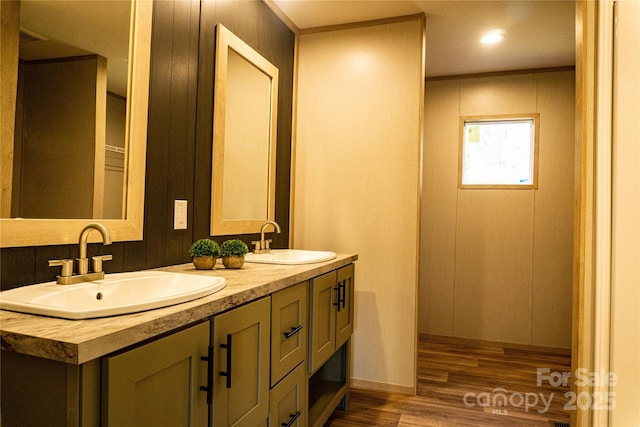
[468, 383]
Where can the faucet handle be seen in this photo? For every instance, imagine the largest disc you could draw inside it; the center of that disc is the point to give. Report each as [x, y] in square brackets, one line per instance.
[67, 266]
[267, 244]
[257, 244]
[97, 262]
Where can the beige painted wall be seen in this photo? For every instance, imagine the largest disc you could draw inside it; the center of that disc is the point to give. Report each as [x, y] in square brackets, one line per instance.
[357, 169]
[497, 264]
[625, 279]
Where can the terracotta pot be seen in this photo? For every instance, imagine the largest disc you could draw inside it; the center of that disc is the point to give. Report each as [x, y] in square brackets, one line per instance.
[204, 262]
[233, 261]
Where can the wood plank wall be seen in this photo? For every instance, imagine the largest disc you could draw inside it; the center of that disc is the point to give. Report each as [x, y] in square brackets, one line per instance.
[179, 138]
[497, 264]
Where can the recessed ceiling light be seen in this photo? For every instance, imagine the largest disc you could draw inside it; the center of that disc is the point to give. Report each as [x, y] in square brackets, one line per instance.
[492, 38]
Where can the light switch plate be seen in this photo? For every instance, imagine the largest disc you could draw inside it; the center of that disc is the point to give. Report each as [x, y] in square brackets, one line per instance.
[180, 215]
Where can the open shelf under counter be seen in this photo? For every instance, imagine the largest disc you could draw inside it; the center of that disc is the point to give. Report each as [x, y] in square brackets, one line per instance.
[329, 387]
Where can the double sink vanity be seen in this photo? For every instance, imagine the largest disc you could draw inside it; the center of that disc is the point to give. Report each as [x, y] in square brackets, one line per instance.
[267, 344]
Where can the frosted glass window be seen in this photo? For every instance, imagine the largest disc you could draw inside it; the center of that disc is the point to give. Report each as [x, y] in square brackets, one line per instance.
[498, 152]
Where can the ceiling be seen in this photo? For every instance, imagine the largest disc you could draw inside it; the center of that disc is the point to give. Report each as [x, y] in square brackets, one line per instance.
[538, 33]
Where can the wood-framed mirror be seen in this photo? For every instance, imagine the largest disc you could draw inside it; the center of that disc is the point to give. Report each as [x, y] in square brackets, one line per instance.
[24, 227]
[244, 137]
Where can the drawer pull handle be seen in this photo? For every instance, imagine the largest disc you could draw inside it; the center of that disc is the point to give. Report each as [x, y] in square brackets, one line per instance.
[294, 331]
[228, 373]
[208, 388]
[294, 418]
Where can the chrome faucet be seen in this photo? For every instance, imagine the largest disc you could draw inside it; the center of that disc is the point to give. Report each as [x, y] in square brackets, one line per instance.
[67, 277]
[262, 245]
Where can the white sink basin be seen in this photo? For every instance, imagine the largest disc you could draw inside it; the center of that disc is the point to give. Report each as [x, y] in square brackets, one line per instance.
[118, 293]
[290, 256]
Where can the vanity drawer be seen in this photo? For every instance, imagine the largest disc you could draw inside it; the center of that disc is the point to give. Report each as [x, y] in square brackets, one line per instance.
[288, 400]
[288, 330]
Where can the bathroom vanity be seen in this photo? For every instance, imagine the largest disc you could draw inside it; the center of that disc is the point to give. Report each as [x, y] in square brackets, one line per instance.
[271, 348]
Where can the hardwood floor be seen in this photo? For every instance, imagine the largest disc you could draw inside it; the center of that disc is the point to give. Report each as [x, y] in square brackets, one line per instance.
[469, 383]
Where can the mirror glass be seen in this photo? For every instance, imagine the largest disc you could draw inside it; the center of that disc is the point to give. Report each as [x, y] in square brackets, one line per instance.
[244, 137]
[77, 86]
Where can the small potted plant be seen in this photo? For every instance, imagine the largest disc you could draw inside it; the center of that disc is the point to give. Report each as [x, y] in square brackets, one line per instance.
[233, 252]
[204, 253]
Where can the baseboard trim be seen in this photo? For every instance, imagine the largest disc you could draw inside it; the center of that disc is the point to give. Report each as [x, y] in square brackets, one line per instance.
[378, 386]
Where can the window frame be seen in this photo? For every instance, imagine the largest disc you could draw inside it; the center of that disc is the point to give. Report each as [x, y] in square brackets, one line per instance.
[500, 118]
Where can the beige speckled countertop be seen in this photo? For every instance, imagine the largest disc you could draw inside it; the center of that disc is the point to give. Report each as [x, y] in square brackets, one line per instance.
[79, 341]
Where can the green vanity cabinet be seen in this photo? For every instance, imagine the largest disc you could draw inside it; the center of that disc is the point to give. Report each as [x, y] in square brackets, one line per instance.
[158, 384]
[331, 314]
[331, 323]
[281, 359]
[241, 343]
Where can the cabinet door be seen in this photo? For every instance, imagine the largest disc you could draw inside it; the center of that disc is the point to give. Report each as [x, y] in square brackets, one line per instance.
[158, 384]
[241, 365]
[344, 315]
[288, 330]
[288, 400]
[323, 331]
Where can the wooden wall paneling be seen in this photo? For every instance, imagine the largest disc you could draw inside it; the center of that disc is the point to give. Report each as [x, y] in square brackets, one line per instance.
[285, 123]
[181, 135]
[553, 241]
[133, 256]
[439, 208]
[204, 119]
[17, 267]
[494, 252]
[170, 154]
[157, 183]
